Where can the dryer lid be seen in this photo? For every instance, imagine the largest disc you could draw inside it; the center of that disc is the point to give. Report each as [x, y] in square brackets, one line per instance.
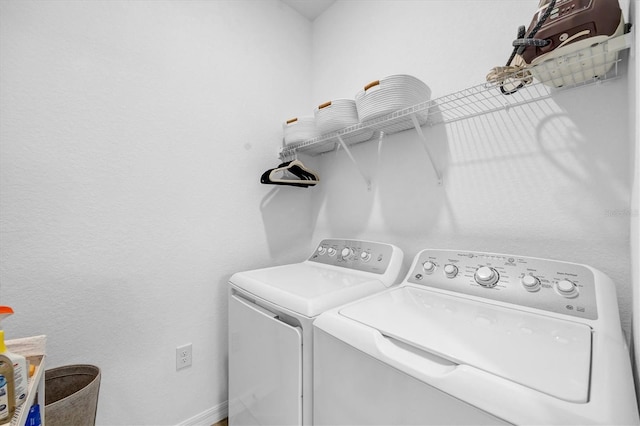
[307, 288]
[548, 354]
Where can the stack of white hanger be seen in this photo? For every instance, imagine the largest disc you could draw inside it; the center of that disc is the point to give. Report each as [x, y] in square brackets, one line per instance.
[291, 173]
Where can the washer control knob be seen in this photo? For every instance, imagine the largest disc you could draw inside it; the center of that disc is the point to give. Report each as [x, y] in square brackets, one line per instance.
[566, 288]
[486, 276]
[450, 270]
[365, 256]
[530, 283]
[346, 252]
[429, 267]
[322, 250]
[331, 251]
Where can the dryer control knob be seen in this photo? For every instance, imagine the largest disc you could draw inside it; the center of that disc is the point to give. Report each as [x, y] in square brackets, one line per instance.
[346, 252]
[530, 283]
[365, 256]
[486, 276]
[322, 250]
[331, 251]
[429, 267]
[566, 288]
[450, 270]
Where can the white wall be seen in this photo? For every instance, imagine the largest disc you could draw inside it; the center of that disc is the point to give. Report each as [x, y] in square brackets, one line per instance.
[544, 180]
[132, 138]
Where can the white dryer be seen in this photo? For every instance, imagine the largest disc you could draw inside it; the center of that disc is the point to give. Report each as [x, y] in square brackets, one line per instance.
[477, 338]
[271, 312]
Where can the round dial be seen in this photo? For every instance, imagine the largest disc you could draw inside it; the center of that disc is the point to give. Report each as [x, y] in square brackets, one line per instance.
[331, 251]
[566, 288]
[365, 256]
[450, 270]
[429, 267]
[346, 252]
[322, 250]
[486, 276]
[530, 283]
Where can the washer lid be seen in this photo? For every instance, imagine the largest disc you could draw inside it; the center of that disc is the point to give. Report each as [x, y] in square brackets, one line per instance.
[307, 288]
[547, 354]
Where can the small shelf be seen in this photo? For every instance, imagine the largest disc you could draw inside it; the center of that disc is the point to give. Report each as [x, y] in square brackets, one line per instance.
[33, 349]
[567, 72]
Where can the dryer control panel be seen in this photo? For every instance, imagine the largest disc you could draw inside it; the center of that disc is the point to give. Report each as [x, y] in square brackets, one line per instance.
[561, 287]
[364, 256]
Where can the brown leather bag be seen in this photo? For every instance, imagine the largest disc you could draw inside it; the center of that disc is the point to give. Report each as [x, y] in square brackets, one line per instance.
[571, 21]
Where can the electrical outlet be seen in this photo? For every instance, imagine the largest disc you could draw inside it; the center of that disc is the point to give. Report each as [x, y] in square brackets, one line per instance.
[183, 356]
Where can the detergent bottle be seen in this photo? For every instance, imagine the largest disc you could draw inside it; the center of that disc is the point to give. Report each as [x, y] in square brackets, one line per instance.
[18, 362]
[7, 397]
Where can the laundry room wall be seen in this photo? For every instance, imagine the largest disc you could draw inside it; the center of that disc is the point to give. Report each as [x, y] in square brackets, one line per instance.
[549, 179]
[132, 139]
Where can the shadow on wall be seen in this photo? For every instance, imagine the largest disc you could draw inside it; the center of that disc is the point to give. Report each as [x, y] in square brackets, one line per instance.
[286, 214]
[403, 195]
[564, 156]
[344, 196]
[410, 197]
[588, 145]
[566, 153]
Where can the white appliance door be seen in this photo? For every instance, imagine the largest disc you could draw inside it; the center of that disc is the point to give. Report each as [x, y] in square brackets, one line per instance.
[306, 288]
[353, 388]
[548, 354]
[265, 367]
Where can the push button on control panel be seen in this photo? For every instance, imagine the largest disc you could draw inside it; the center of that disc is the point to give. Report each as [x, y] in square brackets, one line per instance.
[486, 276]
[346, 252]
[450, 270]
[429, 267]
[566, 288]
[530, 283]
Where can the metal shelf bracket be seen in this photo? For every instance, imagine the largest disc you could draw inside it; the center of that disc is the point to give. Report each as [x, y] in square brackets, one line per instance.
[425, 145]
[344, 146]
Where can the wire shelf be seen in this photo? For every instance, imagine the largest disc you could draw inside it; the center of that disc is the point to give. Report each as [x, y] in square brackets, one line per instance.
[593, 64]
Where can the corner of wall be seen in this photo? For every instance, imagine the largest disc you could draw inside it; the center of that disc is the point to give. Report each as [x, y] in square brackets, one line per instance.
[634, 101]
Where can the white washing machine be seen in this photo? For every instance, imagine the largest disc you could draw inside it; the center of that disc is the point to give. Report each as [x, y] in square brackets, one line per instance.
[271, 312]
[477, 338]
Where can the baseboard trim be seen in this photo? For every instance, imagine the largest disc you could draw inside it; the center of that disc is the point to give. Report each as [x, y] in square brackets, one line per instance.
[208, 417]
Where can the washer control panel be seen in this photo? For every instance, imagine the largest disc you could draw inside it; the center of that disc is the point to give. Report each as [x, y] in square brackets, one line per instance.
[354, 254]
[551, 285]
